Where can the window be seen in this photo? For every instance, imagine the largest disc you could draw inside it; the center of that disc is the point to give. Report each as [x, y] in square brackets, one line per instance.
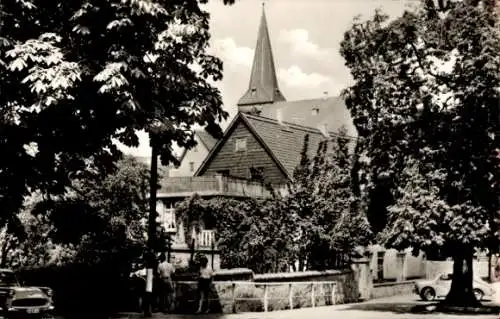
[224, 172]
[166, 215]
[240, 144]
[257, 173]
[191, 166]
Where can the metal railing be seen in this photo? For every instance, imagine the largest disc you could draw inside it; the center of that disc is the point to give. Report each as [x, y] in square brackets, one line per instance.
[215, 185]
[312, 296]
[206, 238]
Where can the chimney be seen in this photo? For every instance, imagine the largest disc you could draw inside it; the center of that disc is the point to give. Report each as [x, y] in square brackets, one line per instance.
[325, 95]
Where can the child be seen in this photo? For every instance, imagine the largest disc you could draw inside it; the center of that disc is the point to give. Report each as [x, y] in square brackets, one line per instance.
[204, 282]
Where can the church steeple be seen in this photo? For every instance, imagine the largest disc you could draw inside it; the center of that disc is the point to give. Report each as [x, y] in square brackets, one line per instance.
[263, 86]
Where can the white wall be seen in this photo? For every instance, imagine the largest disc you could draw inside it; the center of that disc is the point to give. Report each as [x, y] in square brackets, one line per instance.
[195, 155]
[397, 265]
[434, 268]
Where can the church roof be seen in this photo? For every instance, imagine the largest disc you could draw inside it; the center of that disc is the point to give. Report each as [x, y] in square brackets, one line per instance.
[283, 141]
[329, 113]
[263, 87]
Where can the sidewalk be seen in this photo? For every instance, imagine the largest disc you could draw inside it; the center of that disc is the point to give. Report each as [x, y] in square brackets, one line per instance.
[398, 307]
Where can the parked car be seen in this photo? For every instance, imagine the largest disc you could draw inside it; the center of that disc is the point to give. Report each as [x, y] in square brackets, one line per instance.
[440, 286]
[21, 301]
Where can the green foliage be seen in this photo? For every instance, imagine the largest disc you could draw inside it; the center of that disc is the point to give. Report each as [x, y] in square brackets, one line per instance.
[321, 199]
[26, 242]
[318, 218]
[425, 103]
[102, 218]
[240, 230]
[76, 76]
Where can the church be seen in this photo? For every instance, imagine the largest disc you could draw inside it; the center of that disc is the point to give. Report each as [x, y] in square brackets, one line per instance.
[261, 146]
[264, 140]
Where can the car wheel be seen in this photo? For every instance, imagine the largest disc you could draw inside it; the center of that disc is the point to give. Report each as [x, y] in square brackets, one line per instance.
[428, 294]
[479, 294]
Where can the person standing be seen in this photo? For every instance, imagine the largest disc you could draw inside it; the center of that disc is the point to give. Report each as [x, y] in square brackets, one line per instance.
[165, 272]
[204, 281]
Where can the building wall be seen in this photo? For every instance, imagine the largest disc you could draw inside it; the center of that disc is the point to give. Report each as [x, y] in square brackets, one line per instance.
[195, 156]
[396, 265]
[434, 268]
[239, 162]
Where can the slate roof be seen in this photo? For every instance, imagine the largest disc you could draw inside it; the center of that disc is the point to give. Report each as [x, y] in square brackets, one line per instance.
[208, 140]
[286, 140]
[283, 141]
[263, 87]
[315, 113]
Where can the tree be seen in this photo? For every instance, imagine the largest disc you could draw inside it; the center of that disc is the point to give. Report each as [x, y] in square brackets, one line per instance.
[250, 233]
[426, 93]
[322, 200]
[78, 75]
[102, 218]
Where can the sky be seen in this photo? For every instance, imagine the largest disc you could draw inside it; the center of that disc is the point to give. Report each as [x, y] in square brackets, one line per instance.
[305, 37]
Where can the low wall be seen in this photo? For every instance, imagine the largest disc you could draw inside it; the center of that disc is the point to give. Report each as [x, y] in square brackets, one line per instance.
[234, 274]
[390, 289]
[326, 275]
[273, 292]
[180, 257]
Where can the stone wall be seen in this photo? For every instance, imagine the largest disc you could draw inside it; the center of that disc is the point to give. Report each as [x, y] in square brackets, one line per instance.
[347, 284]
[180, 257]
[273, 292]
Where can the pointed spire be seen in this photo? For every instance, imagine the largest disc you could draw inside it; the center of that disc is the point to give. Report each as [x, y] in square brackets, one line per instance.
[263, 86]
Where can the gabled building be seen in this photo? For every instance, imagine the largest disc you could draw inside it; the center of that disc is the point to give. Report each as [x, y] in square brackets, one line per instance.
[261, 146]
[261, 149]
[190, 160]
[265, 139]
[264, 98]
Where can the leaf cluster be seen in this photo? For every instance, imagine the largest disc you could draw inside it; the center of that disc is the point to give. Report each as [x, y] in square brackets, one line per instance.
[77, 76]
[426, 95]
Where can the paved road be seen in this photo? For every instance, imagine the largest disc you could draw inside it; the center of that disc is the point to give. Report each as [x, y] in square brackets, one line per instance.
[386, 308]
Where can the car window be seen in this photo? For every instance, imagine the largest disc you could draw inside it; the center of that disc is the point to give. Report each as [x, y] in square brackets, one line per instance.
[7, 279]
[445, 277]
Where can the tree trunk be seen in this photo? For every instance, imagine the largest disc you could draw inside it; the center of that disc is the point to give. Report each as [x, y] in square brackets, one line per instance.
[461, 293]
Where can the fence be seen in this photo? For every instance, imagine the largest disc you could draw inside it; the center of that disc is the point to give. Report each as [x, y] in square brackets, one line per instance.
[241, 296]
[206, 238]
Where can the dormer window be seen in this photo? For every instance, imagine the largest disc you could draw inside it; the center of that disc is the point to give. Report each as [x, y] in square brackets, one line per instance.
[254, 91]
[315, 110]
[240, 144]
